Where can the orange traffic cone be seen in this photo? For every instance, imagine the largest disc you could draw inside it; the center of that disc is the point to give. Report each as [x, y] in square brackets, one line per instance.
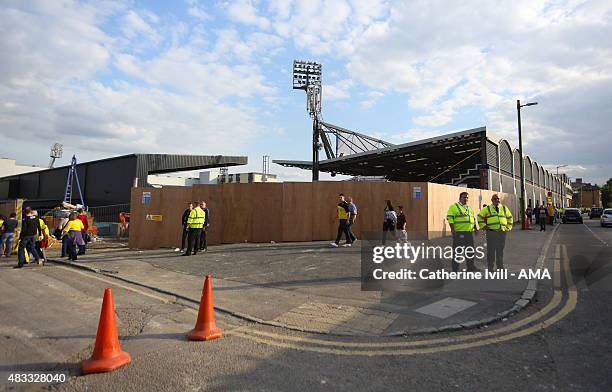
[107, 354]
[206, 328]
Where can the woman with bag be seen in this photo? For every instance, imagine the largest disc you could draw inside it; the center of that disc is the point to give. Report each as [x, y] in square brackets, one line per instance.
[390, 221]
[73, 236]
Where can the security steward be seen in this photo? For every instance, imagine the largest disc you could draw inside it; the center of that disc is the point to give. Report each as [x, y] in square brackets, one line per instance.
[462, 222]
[195, 223]
[496, 219]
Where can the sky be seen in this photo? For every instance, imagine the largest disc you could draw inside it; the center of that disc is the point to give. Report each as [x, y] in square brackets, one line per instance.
[107, 78]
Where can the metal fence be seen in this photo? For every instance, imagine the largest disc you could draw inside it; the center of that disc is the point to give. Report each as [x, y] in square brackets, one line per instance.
[108, 213]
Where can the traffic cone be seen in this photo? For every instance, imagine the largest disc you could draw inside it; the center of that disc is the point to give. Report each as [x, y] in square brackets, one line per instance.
[107, 354]
[206, 328]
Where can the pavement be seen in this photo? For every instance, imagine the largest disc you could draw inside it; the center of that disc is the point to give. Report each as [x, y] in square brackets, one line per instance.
[312, 287]
[560, 342]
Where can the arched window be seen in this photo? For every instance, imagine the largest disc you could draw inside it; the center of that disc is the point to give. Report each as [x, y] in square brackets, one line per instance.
[517, 163]
[528, 167]
[505, 157]
[535, 172]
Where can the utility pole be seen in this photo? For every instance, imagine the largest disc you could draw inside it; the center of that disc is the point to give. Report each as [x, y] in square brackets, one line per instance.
[520, 134]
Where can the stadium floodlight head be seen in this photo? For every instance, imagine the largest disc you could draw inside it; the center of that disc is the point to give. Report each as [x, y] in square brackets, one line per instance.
[305, 74]
[307, 77]
[56, 150]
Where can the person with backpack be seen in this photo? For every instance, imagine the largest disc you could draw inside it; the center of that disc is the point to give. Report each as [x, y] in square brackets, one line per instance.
[390, 221]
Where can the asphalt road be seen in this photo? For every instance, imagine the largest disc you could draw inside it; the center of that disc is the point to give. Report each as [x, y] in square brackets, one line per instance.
[48, 318]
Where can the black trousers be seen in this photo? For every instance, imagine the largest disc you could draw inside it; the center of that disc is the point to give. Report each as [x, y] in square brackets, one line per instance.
[193, 241]
[462, 239]
[203, 243]
[388, 227]
[496, 240]
[343, 228]
[542, 224]
[349, 227]
[184, 236]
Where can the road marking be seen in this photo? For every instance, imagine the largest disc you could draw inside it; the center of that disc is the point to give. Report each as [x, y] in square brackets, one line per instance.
[568, 307]
[554, 302]
[596, 236]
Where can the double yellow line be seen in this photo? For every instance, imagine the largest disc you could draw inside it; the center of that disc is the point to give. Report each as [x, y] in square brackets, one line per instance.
[542, 318]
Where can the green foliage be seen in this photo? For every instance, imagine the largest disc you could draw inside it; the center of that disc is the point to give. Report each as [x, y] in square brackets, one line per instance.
[606, 194]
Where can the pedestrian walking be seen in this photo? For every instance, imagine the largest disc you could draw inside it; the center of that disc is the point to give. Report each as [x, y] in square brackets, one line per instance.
[82, 216]
[58, 233]
[185, 232]
[30, 233]
[343, 216]
[536, 213]
[352, 209]
[462, 222]
[195, 222]
[401, 225]
[9, 226]
[529, 213]
[542, 217]
[203, 237]
[43, 242]
[551, 214]
[496, 220]
[72, 232]
[390, 221]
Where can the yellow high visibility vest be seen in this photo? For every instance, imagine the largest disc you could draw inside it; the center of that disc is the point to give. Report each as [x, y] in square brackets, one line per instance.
[196, 218]
[342, 213]
[490, 219]
[462, 217]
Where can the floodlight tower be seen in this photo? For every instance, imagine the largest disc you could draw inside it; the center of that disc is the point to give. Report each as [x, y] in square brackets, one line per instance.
[56, 152]
[307, 77]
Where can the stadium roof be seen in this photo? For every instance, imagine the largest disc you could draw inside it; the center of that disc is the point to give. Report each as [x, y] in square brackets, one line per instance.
[422, 160]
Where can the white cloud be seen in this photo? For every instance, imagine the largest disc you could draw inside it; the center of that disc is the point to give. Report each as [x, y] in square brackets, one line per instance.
[337, 91]
[244, 11]
[174, 99]
[196, 10]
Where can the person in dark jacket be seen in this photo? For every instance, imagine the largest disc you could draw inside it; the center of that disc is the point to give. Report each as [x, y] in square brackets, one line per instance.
[8, 234]
[203, 242]
[30, 233]
[184, 223]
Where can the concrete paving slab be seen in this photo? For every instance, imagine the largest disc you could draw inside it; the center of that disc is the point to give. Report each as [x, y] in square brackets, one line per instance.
[446, 307]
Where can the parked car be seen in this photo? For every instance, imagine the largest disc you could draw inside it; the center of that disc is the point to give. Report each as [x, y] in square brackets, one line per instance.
[606, 217]
[595, 212]
[572, 215]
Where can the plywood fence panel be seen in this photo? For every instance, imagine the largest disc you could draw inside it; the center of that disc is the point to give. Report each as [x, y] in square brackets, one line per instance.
[266, 210]
[298, 213]
[293, 211]
[174, 202]
[237, 217]
[144, 233]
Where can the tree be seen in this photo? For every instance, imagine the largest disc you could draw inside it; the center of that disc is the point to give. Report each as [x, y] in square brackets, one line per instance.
[606, 194]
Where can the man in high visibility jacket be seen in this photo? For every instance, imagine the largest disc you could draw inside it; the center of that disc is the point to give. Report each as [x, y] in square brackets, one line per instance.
[462, 222]
[497, 220]
[343, 217]
[195, 223]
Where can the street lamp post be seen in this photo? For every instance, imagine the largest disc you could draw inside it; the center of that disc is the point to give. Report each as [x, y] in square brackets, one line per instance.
[562, 186]
[522, 198]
